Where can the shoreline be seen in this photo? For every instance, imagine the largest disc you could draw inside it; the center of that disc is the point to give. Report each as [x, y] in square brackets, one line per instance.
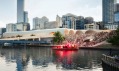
[93, 48]
[100, 47]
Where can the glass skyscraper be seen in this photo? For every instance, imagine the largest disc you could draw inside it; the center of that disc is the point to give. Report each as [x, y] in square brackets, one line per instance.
[108, 11]
[20, 11]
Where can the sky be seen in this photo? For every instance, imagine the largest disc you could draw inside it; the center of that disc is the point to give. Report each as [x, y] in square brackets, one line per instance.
[50, 8]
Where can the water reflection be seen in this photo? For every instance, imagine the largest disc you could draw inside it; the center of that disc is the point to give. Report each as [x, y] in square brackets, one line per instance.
[41, 57]
[78, 59]
[65, 59]
[46, 59]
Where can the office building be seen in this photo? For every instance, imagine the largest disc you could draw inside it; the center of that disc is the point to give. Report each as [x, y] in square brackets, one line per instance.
[43, 21]
[108, 12]
[11, 27]
[59, 21]
[92, 26]
[101, 25]
[25, 17]
[89, 20]
[2, 30]
[80, 23]
[116, 14]
[22, 17]
[36, 23]
[20, 11]
[69, 21]
[39, 23]
[23, 26]
[117, 7]
[116, 17]
[51, 25]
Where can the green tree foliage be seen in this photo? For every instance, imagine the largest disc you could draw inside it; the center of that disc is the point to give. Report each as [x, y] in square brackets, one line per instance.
[58, 38]
[115, 39]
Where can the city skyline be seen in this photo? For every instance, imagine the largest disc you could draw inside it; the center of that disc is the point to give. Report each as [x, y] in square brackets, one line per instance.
[39, 8]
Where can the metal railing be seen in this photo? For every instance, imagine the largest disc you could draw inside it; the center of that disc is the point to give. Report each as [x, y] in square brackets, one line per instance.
[110, 63]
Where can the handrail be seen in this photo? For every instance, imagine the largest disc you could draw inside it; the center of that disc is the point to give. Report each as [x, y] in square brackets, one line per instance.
[110, 61]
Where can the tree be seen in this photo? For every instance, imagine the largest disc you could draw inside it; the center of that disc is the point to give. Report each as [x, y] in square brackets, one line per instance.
[115, 39]
[58, 38]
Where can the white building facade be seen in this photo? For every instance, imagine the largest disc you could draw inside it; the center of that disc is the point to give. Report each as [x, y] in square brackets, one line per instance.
[36, 23]
[39, 23]
[11, 27]
[92, 26]
[23, 26]
[59, 21]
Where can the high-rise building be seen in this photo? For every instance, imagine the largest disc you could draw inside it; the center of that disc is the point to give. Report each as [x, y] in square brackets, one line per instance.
[108, 12]
[43, 21]
[59, 21]
[11, 27]
[22, 17]
[36, 23]
[25, 17]
[20, 11]
[39, 23]
[117, 7]
[80, 22]
[2, 30]
[69, 21]
[116, 16]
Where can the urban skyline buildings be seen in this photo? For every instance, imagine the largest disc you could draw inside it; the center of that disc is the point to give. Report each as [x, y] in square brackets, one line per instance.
[33, 9]
[25, 13]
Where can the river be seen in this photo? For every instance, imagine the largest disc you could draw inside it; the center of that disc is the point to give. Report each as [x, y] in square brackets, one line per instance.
[46, 59]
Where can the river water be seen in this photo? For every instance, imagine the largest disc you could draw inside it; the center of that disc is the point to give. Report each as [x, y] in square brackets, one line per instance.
[46, 59]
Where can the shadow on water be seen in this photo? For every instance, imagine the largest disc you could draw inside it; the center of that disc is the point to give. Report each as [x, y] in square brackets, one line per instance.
[35, 58]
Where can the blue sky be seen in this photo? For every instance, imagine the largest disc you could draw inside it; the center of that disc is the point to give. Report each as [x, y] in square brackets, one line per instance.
[50, 8]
